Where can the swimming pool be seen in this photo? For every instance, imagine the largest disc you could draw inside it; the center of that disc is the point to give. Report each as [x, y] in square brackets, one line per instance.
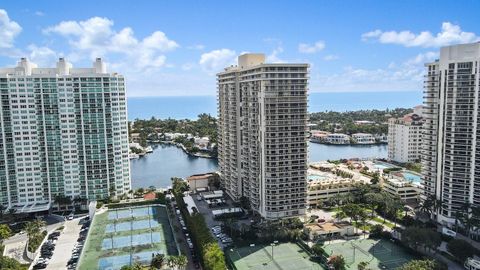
[414, 178]
[382, 165]
[316, 177]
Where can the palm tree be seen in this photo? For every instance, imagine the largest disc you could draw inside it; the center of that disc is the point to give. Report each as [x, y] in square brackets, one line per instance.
[157, 261]
[30, 229]
[182, 261]
[171, 261]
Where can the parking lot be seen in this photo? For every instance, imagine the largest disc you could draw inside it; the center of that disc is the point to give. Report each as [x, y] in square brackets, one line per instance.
[202, 206]
[63, 247]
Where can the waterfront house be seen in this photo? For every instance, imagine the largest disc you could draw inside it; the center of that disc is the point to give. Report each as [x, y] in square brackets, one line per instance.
[319, 136]
[338, 138]
[363, 138]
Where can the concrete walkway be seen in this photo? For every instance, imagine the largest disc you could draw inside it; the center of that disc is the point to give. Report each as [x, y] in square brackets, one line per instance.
[64, 246]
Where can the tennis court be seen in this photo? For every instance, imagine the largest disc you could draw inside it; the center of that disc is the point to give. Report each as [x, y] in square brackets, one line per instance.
[380, 254]
[286, 256]
[123, 236]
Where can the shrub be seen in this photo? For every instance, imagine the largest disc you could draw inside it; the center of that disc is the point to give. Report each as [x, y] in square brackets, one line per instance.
[376, 231]
[35, 241]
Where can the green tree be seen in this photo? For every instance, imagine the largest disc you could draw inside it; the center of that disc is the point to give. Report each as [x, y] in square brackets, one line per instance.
[337, 262]
[363, 266]
[460, 249]
[376, 230]
[318, 249]
[158, 261]
[420, 265]
[179, 185]
[62, 200]
[5, 232]
[214, 258]
[182, 261]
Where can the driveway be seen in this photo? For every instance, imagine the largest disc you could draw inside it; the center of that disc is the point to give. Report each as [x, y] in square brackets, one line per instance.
[64, 246]
[15, 245]
[182, 241]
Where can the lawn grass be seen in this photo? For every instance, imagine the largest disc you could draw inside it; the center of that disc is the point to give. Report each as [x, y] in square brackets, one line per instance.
[386, 223]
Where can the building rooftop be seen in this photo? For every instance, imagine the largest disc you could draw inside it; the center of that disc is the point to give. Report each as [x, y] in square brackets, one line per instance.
[199, 176]
[63, 68]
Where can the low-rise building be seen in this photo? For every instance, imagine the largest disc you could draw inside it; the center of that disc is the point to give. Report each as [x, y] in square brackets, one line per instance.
[398, 184]
[338, 138]
[328, 230]
[363, 138]
[327, 180]
[135, 137]
[199, 181]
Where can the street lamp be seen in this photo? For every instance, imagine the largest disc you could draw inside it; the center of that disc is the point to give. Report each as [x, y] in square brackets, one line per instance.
[273, 244]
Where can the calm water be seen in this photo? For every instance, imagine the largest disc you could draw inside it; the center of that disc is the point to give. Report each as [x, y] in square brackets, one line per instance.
[168, 161]
[190, 107]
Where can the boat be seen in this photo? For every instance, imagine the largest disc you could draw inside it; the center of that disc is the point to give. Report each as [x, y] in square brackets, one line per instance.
[133, 156]
[149, 149]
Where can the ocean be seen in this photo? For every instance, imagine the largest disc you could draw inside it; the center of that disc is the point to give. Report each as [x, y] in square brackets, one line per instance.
[188, 107]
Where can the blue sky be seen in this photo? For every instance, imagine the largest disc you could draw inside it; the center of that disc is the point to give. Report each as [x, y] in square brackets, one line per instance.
[172, 48]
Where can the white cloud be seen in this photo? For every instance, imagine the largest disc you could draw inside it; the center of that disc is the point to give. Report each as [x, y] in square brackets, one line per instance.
[8, 30]
[330, 57]
[273, 57]
[407, 75]
[311, 48]
[215, 60]
[450, 34]
[39, 13]
[97, 37]
[42, 56]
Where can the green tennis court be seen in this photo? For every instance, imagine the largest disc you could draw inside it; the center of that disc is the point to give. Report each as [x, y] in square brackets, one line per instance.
[286, 256]
[380, 254]
[120, 237]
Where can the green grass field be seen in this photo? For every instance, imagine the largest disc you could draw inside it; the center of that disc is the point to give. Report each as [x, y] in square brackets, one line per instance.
[286, 256]
[380, 254]
[112, 242]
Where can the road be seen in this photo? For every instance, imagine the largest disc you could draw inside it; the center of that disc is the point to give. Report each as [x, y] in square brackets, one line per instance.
[182, 241]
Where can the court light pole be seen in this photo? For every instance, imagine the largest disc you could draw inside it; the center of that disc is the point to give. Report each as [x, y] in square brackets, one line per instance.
[273, 244]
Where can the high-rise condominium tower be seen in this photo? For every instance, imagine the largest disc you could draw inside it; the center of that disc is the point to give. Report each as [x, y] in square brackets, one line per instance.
[451, 134]
[63, 132]
[262, 110]
[405, 137]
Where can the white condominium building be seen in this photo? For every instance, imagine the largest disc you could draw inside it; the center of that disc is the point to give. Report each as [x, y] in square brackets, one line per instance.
[63, 132]
[262, 134]
[451, 134]
[405, 138]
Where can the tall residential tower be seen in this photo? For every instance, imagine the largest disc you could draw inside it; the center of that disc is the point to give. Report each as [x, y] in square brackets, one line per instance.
[405, 137]
[262, 110]
[63, 132]
[451, 133]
